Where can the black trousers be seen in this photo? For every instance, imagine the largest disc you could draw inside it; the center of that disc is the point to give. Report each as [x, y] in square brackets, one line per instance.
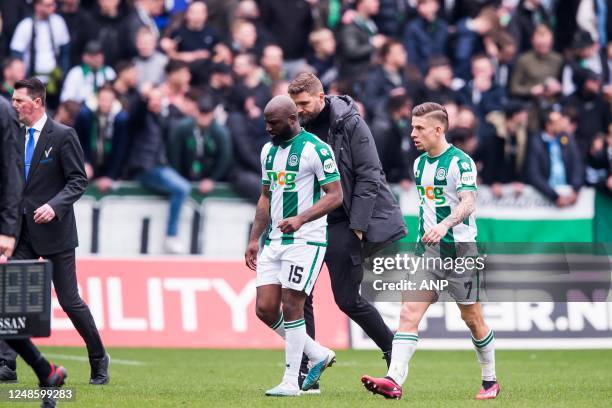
[65, 283]
[344, 262]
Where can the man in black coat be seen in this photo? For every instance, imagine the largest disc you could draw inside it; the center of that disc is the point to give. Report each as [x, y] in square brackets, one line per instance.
[49, 375]
[51, 167]
[369, 216]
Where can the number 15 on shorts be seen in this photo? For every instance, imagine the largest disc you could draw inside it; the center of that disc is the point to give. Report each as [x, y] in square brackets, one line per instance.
[295, 274]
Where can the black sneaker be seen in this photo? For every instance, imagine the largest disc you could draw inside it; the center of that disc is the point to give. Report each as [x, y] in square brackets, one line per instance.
[315, 389]
[99, 370]
[7, 374]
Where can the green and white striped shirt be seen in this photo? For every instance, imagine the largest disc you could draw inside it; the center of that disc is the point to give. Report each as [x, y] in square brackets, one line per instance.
[439, 180]
[295, 172]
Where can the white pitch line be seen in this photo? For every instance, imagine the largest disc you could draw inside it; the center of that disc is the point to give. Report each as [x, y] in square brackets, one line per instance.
[86, 359]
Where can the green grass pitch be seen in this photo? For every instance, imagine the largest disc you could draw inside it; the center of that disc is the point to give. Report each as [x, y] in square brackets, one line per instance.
[211, 378]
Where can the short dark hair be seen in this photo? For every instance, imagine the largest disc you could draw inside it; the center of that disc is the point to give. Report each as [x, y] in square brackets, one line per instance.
[36, 89]
[434, 110]
[175, 65]
[385, 50]
[438, 61]
[109, 88]
[396, 102]
[305, 82]
[124, 65]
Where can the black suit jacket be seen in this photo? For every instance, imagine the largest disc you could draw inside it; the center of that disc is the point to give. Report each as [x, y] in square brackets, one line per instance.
[57, 177]
[538, 165]
[10, 183]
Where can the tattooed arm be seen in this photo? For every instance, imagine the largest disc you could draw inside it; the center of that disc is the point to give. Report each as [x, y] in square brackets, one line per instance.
[467, 205]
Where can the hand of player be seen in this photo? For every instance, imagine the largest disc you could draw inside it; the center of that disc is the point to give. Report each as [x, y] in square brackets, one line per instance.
[7, 245]
[291, 224]
[44, 214]
[250, 255]
[433, 235]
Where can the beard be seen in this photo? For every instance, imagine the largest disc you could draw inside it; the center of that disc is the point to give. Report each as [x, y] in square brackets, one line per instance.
[282, 136]
[304, 119]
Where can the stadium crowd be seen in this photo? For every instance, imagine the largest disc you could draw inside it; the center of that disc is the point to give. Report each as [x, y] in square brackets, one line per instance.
[170, 93]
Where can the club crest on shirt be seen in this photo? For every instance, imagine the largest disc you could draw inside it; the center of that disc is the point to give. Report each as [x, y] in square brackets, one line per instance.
[324, 152]
[441, 174]
[293, 160]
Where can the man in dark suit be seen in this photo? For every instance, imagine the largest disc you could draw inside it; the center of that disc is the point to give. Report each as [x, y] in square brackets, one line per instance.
[49, 375]
[369, 217]
[51, 166]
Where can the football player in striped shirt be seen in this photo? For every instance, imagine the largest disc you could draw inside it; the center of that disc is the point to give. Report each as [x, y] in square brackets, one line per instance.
[300, 187]
[445, 178]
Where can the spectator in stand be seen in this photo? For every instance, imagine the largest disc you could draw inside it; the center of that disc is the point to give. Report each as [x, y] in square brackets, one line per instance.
[537, 72]
[220, 84]
[12, 12]
[194, 40]
[289, 22]
[527, 16]
[322, 58]
[426, 35]
[469, 37]
[358, 41]
[391, 132]
[249, 90]
[200, 148]
[142, 16]
[249, 10]
[501, 48]
[67, 113]
[600, 159]
[438, 83]
[109, 27]
[506, 154]
[554, 166]
[482, 93]
[150, 62]
[176, 87]
[148, 162]
[83, 81]
[43, 42]
[13, 70]
[244, 38]
[126, 85]
[593, 112]
[103, 134]
[385, 77]
[584, 53]
[273, 63]
[79, 25]
[391, 17]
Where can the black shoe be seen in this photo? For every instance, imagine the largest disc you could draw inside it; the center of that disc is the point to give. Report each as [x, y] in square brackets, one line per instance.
[387, 357]
[55, 380]
[99, 370]
[7, 374]
[315, 389]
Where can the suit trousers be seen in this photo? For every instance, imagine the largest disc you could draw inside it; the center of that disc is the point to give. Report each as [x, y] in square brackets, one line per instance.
[344, 262]
[65, 283]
